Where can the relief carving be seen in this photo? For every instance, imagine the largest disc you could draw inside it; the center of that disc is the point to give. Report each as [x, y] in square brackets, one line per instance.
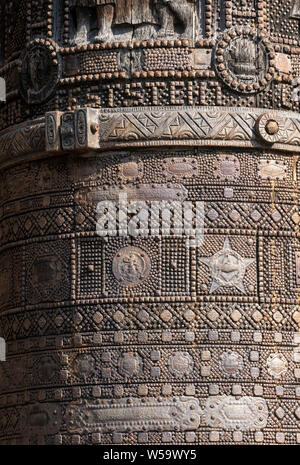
[165, 18]
[125, 128]
[272, 169]
[147, 339]
[245, 59]
[131, 265]
[39, 73]
[148, 414]
[245, 413]
[227, 268]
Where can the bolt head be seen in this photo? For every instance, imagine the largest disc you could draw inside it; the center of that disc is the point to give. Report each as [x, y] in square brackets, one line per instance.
[272, 127]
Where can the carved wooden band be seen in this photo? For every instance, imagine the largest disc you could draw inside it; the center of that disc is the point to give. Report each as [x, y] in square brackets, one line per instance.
[100, 130]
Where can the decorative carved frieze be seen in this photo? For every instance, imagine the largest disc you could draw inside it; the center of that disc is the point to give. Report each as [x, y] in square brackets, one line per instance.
[189, 126]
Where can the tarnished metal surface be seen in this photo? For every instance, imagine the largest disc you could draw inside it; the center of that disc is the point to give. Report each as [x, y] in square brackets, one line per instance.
[142, 339]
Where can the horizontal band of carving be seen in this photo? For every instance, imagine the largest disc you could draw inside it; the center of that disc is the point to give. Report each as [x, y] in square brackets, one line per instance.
[91, 129]
[21, 141]
[87, 129]
[149, 414]
[145, 415]
[191, 126]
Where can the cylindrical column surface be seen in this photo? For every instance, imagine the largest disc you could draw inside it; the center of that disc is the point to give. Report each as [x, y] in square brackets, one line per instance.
[128, 125]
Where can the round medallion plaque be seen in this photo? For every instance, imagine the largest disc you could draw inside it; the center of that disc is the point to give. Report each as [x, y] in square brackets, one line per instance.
[270, 127]
[245, 59]
[131, 266]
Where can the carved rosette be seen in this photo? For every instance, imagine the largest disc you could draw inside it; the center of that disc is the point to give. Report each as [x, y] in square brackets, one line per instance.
[271, 127]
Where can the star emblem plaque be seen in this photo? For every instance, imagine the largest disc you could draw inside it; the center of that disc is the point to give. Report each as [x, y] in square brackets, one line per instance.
[227, 268]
